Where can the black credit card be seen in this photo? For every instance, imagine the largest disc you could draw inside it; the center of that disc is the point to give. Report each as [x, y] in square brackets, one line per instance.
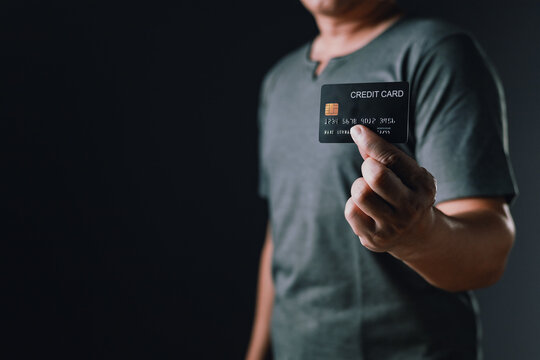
[382, 107]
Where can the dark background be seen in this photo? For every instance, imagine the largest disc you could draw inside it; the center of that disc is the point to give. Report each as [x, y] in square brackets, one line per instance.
[131, 225]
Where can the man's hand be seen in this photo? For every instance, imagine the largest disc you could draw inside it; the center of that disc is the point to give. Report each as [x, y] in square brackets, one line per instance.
[391, 206]
[461, 244]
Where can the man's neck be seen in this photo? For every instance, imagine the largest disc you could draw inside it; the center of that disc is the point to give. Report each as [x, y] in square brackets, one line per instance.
[341, 35]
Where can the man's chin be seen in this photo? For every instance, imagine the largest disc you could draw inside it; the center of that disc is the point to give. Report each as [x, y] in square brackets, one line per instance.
[332, 8]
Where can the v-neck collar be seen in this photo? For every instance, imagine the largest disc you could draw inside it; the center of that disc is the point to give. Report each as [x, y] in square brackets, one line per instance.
[313, 64]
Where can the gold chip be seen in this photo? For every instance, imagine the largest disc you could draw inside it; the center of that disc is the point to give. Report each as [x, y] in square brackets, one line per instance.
[331, 109]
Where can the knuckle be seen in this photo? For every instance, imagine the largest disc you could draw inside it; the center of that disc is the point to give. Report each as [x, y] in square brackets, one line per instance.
[364, 196]
[350, 211]
[427, 180]
[355, 185]
[380, 242]
[426, 184]
[379, 239]
[375, 172]
[432, 188]
[388, 158]
[360, 191]
[392, 230]
[380, 177]
[425, 175]
[365, 240]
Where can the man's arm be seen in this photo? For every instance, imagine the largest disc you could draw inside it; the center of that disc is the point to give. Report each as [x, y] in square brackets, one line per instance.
[260, 336]
[469, 244]
[458, 245]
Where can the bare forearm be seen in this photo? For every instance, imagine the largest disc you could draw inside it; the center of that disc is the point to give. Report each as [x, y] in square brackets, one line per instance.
[463, 251]
[260, 335]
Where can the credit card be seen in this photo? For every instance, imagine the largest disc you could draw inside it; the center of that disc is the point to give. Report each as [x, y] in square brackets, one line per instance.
[383, 107]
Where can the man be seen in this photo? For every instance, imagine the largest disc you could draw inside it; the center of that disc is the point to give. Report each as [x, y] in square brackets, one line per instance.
[372, 248]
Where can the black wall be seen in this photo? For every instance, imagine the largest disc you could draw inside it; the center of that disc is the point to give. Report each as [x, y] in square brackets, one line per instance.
[131, 224]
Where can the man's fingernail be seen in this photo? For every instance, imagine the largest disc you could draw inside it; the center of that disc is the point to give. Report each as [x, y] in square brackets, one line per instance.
[356, 131]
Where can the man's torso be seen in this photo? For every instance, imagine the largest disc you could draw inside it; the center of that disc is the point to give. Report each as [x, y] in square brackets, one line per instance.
[335, 299]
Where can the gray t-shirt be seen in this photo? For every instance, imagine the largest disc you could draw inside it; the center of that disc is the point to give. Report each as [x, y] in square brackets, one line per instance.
[334, 299]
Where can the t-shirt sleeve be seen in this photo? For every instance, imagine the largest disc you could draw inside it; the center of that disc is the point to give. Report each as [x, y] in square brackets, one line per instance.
[263, 185]
[460, 123]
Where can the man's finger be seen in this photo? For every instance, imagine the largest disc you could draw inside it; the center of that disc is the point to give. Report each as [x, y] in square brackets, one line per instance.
[360, 223]
[370, 202]
[371, 145]
[385, 183]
